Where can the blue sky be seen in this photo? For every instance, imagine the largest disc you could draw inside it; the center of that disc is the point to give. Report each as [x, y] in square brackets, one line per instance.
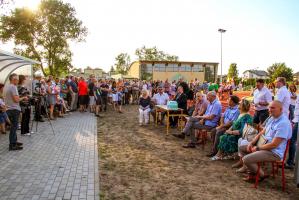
[259, 32]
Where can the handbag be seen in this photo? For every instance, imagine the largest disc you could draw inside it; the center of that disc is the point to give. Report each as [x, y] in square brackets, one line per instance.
[261, 141]
[249, 132]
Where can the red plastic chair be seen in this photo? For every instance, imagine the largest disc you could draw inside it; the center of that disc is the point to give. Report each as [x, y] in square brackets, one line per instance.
[275, 167]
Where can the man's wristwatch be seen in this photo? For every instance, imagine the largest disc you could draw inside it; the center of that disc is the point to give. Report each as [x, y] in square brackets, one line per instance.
[257, 148]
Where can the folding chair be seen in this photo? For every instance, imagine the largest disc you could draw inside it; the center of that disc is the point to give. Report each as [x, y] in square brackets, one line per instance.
[275, 167]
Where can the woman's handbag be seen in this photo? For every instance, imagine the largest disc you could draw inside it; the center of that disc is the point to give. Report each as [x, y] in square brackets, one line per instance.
[249, 132]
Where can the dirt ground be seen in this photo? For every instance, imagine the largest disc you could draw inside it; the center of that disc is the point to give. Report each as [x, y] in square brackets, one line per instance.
[143, 163]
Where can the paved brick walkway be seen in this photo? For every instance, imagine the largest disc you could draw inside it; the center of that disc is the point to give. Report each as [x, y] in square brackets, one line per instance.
[64, 166]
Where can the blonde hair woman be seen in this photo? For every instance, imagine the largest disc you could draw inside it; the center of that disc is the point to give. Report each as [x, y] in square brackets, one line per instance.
[144, 107]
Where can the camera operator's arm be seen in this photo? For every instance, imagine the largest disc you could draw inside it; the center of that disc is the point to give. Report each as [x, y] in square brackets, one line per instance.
[15, 96]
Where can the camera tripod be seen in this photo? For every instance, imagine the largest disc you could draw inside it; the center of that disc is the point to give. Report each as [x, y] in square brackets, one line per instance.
[36, 121]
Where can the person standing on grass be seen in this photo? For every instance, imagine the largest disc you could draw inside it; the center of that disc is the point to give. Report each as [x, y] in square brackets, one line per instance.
[104, 94]
[12, 100]
[283, 95]
[261, 99]
[293, 94]
[290, 164]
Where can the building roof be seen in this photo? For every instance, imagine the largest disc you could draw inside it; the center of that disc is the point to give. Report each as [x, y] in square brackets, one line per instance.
[257, 72]
[296, 74]
[10, 62]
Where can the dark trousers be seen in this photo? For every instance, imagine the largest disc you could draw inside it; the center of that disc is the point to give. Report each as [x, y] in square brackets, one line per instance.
[292, 147]
[25, 120]
[260, 116]
[38, 110]
[13, 116]
[104, 102]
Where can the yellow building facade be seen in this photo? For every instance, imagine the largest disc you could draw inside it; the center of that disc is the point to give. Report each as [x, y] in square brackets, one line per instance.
[162, 70]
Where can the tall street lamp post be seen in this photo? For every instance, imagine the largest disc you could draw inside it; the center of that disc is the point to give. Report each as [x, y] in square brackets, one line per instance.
[221, 31]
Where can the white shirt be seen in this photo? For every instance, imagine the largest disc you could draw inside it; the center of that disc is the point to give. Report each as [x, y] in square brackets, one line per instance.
[296, 111]
[263, 95]
[161, 99]
[293, 101]
[283, 95]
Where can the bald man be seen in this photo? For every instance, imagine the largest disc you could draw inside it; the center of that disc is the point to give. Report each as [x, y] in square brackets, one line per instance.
[277, 132]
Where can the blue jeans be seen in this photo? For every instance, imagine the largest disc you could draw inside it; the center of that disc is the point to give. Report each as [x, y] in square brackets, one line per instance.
[292, 147]
[291, 109]
[13, 116]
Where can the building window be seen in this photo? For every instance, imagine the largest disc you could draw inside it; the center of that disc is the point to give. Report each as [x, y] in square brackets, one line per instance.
[210, 73]
[197, 68]
[182, 68]
[169, 68]
[160, 67]
[149, 68]
[175, 67]
[188, 68]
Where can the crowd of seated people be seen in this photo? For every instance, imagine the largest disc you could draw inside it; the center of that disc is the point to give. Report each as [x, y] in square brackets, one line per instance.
[272, 118]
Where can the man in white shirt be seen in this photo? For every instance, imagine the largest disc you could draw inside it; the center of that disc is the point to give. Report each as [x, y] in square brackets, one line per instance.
[160, 98]
[283, 95]
[261, 99]
[292, 148]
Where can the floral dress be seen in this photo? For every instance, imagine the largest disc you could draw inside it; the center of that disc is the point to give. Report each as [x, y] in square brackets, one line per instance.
[229, 143]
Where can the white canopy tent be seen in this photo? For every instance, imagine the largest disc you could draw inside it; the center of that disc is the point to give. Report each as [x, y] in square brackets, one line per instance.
[9, 63]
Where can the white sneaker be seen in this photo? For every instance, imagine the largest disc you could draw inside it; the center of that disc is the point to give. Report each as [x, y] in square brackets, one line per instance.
[27, 134]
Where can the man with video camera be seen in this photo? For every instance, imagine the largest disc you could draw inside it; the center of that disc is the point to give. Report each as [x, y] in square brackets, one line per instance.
[39, 96]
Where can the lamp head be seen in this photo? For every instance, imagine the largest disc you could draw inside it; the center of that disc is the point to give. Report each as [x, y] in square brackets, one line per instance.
[221, 30]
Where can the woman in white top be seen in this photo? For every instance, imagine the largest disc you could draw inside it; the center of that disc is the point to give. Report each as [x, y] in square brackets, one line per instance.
[293, 90]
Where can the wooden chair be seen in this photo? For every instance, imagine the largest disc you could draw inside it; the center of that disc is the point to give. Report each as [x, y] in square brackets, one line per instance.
[202, 135]
[275, 167]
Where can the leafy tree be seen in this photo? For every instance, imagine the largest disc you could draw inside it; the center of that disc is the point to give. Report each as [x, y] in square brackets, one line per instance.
[122, 63]
[280, 70]
[232, 71]
[153, 54]
[44, 35]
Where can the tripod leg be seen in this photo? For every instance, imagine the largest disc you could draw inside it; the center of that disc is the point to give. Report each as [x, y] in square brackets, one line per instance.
[48, 116]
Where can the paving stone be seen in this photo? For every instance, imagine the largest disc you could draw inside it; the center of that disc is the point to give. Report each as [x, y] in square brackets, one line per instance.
[60, 166]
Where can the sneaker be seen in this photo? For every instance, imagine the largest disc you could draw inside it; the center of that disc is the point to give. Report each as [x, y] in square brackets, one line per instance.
[15, 148]
[27, 134]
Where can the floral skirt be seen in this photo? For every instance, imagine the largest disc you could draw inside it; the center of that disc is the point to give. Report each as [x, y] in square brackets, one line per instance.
[228, 143]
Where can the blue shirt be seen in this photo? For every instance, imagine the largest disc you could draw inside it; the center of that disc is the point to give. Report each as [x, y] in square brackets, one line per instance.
[214, 108]
[231, 114]
[279, 128]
